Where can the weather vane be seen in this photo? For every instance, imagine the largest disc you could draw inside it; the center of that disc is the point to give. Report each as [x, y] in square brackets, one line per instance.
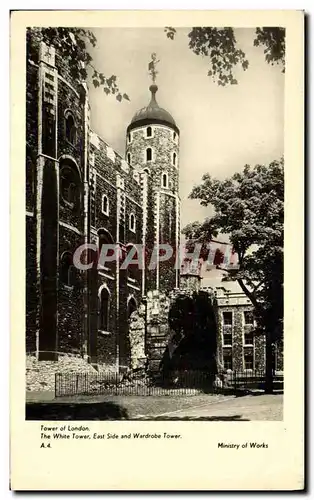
[152, 67]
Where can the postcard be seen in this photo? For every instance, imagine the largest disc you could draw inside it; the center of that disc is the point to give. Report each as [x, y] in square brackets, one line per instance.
[156, 206]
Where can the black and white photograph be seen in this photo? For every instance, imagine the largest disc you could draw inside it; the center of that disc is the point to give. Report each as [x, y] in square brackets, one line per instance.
[154, 223]
[157, 202]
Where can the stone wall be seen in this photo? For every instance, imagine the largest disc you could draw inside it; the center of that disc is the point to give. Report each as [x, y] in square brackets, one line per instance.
[40, 375]
[237, 350]
[151, 340]
[107, 173]
[161, 206]
[137, 337]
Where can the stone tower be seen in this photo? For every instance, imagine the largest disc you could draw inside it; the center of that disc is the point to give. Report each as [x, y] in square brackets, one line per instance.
[152, 148]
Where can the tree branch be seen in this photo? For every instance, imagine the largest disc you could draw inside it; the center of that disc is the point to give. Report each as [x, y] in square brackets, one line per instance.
[250, 295]
[258, 285]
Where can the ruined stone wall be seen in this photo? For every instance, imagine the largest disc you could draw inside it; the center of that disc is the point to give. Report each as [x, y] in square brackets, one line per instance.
[149, 330]
[151, 342]
[137, 330]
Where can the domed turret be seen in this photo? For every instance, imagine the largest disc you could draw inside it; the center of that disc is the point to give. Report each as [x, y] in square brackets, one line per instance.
[152, 149]
[152, 113]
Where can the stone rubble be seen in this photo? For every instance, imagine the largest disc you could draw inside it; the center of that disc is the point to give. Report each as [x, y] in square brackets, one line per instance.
[40, 376]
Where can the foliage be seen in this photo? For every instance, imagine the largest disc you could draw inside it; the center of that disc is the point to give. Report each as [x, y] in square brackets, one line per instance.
[220, 46]
[72, 45]
[273, 41]
[249, 207]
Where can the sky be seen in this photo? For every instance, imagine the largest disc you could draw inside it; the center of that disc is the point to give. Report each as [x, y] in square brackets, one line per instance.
[221, 128]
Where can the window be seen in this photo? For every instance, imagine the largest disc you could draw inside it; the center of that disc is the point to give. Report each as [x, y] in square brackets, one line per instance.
[104, 309]
[129, 158]
[164, 180]
[132, 306]
[227, 328]
[132, 223]
[227, 361]
[149, 154]
[69, 186]
[248, 317]
[248, 361]
[132, 269]
[248, 337]
[146, 170]
[227, 318]
[67, 269]
[174, 158]
[174, 136]
[227, 335]
[129, 138]
[149, 132]
[105, 205]
[105, 238]
[70, 129]
[248, 327]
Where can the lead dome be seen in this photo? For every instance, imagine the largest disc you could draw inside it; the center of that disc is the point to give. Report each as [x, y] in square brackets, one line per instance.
[152, 113]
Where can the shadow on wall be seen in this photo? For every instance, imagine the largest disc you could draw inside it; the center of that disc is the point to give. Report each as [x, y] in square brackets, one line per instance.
[194, 341]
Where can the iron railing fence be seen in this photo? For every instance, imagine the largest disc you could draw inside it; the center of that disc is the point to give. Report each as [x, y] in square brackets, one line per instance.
[173, 383]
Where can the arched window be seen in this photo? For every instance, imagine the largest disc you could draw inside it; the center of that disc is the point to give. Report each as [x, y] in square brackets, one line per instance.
[70, 185]
[132, 306]
[105, 205]
[67, 270]
[132, 222]
[104, 309]
[174, 136]
[164, 180]
[129, 158]
[174, 158]
[70, 129]
[146, 170]
[104, 238]
[149, 154]
[149, 132]
[133, 267]
[129, 138]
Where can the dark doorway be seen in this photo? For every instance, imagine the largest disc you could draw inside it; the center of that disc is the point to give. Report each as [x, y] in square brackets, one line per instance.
[194, 340]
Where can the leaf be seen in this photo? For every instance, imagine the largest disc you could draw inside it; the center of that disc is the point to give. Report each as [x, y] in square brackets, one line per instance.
[119, 97]
[96, 83]
[125, 96]
[83, 73]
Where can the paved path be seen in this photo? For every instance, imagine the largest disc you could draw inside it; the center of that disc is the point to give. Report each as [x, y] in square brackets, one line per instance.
[253, 407]
[259, 406]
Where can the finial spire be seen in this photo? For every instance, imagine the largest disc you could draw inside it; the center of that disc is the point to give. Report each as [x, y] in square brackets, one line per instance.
[152, 67]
